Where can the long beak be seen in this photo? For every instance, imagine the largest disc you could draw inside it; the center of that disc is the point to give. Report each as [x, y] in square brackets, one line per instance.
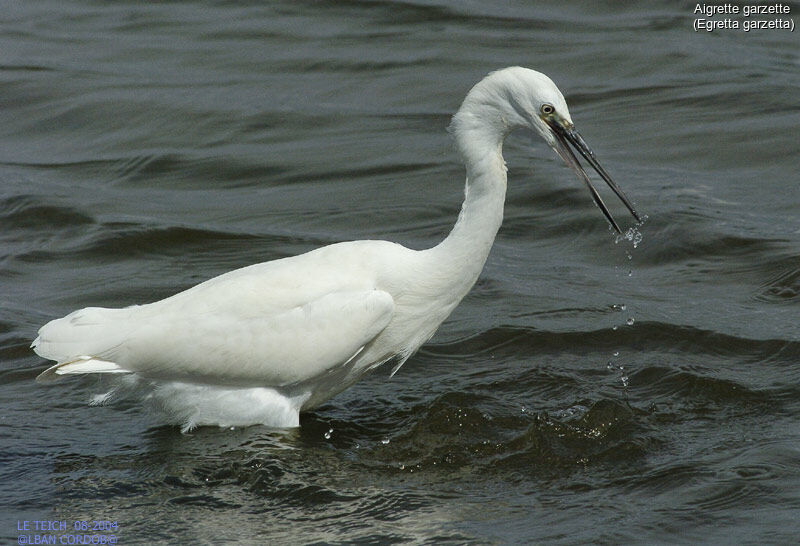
[565, 134]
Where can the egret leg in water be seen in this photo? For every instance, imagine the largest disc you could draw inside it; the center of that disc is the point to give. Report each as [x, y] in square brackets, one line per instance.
[261, 344]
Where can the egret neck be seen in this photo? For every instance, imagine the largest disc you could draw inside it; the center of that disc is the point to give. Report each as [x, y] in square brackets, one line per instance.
[479, 140]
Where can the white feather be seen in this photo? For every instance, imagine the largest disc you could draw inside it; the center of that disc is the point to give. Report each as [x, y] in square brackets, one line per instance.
[81, 365]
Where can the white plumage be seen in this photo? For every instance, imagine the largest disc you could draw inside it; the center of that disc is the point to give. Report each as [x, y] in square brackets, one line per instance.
[260, 344]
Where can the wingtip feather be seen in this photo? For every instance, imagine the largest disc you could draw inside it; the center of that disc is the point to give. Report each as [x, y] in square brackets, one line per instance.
[80, 365]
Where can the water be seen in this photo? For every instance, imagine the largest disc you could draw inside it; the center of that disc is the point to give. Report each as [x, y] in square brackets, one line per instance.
[585, 391]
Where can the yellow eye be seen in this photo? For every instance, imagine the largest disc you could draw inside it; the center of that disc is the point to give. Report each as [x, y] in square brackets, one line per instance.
[547, 109]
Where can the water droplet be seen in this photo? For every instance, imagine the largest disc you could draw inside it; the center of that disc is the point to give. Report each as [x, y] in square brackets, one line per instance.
[616, 353]
[630, 273]
[624, 380]
[385, 441]
[632, 234]
[623, 307]
[610, 366]
[328, 434]
[629, 322]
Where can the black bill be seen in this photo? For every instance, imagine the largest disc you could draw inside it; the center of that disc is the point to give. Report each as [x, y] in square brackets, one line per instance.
[565, 135]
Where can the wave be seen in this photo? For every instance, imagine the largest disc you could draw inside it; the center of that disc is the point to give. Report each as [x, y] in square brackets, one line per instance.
[650, 336]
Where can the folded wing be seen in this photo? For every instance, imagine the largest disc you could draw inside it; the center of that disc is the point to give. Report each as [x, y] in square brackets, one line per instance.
[217, 346]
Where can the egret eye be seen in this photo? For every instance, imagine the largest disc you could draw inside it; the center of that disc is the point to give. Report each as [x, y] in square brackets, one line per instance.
[547, 109]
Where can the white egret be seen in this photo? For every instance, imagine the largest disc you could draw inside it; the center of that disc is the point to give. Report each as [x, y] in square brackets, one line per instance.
[261, 344]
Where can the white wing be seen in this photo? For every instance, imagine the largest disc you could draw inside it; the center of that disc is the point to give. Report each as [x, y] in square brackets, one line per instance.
[272, 324]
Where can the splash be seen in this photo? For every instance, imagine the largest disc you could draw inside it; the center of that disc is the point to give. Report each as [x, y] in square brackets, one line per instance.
[632, 235]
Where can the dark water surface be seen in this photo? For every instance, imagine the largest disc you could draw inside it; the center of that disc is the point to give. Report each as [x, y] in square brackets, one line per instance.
[585, 390]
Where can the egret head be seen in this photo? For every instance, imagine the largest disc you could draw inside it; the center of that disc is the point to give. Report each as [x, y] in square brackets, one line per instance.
[518, 97]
